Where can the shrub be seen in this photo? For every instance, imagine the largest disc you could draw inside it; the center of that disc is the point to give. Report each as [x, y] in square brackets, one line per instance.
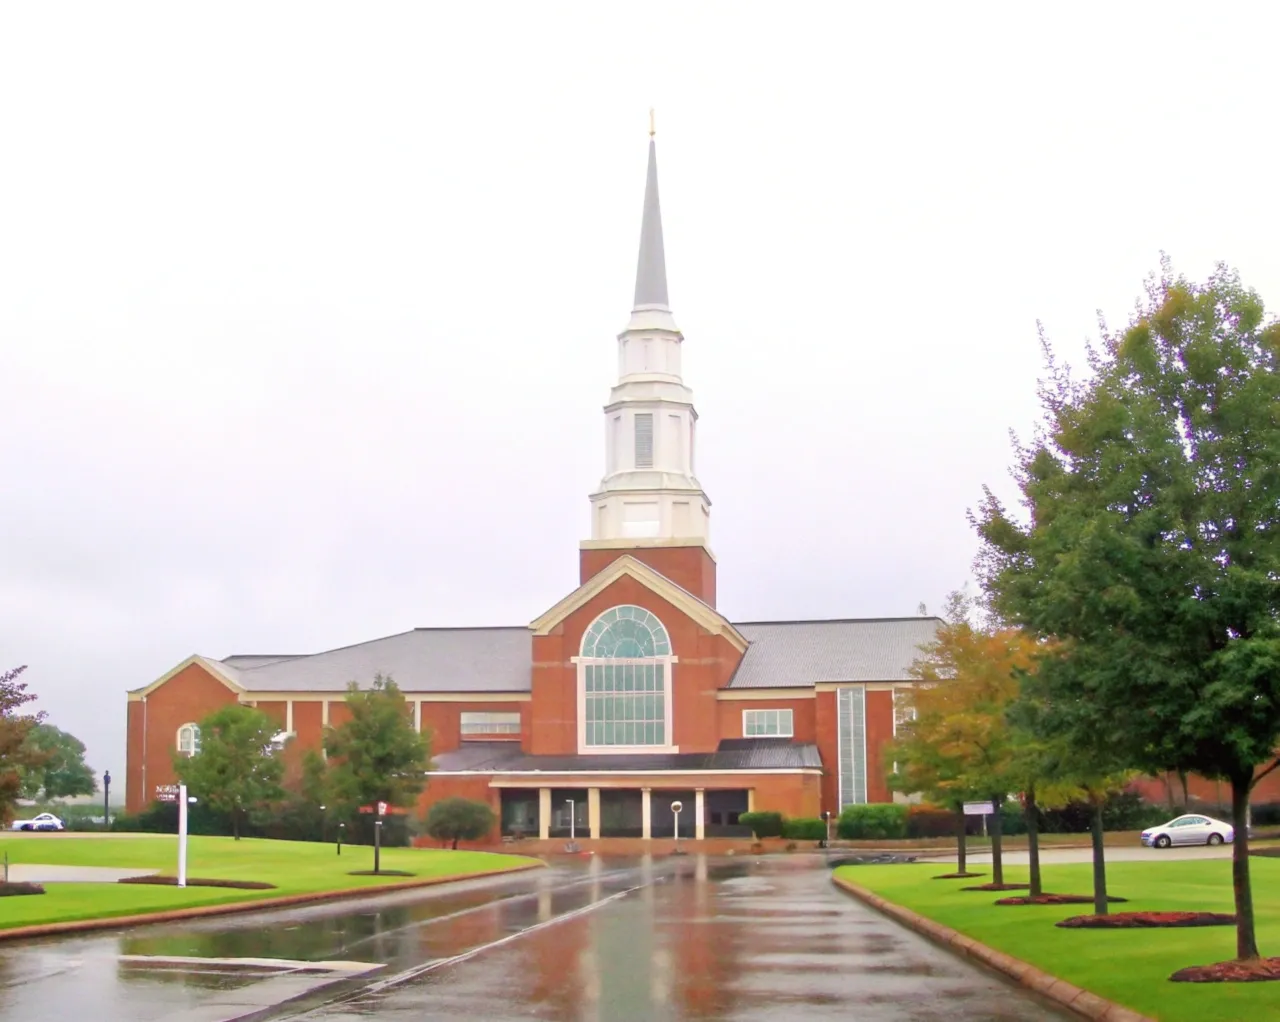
[765, 824]
[874, 822]
[805, 829]
[459, 819]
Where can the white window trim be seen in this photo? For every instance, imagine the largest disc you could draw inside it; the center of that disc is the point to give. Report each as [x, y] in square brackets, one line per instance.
[195, 738]
[668, 684]
[791, 717]
[505, 724]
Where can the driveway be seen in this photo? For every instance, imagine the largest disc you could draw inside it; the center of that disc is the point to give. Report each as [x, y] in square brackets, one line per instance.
[588, 939]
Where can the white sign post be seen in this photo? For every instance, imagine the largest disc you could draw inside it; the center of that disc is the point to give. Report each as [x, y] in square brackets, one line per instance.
[983, 809]
[675, 814]
[182, 835]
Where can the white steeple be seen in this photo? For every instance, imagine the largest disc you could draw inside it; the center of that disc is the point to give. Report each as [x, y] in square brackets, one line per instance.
[649, 494]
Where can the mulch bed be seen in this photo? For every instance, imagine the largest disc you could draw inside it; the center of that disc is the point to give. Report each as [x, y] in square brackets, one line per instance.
[19, 887]
[1256, 970]
[1056, 899]
[998, 887]
[1135, 920]
[245, 885]
[380, 873]
[957, 876]
[1266, 853]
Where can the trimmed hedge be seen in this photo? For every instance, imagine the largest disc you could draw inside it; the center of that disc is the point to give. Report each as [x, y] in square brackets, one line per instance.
[805, 829]
[764, 824]
[872, 822]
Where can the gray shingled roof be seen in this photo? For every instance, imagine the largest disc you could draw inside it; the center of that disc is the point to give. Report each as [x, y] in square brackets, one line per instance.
[799, 654]
[781, 654]
[423, 660]
[732, 754]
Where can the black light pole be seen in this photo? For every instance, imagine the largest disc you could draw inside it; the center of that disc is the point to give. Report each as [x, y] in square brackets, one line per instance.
[342, 829]
[106, 800]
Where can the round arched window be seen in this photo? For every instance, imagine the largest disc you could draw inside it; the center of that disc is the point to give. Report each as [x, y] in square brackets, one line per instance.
[626, 632]
[625, 677]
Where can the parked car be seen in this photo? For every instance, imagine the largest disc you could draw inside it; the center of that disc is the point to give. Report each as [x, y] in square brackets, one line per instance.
[1189, 829]
[45, 821]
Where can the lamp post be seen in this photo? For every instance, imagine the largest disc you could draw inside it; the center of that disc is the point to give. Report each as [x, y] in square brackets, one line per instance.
[183, 802]
[571, 819]
[826, 818]
[675, 813]
[324, 831]
[342, 829]
[106, 800]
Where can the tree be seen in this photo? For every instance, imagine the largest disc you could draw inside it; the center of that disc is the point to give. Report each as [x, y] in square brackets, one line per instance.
[1151, 543]
[459, 819]
[63, 773]
[961, 742]
[377, 755]
[237, 768]
[17, 756]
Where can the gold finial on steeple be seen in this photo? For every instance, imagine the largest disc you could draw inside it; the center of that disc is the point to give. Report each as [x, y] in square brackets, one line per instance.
[651, 128]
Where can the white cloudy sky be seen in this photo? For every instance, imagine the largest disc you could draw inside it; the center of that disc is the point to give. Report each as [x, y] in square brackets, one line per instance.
[307, 310]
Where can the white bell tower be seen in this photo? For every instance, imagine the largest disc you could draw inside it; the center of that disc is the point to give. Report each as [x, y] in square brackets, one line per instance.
[649, 495]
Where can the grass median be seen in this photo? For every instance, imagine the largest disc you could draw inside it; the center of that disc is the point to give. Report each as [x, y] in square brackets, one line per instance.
[1131, 967]
[294, 867]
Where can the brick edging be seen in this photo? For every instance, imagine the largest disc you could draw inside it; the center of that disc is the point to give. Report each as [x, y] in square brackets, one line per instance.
[1074, 998]
[201, 911]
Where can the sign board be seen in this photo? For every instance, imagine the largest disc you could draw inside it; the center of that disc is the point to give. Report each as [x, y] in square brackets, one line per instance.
[978, 809]
[166, 793]
[382, 809]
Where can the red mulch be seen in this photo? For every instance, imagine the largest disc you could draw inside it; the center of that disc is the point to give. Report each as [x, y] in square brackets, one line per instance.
[1121, 920]
[958, 876]
[15, 887]
[162, 881]
[998, 887]
[1254, 970]
[1055, 899]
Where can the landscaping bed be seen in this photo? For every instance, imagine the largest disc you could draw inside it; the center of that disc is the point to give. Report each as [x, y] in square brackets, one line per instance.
[17, 888]
[998, 887]
[168, 881]
[957, 876]
[1146, 920]
[380, 873]
[1056, 899]
[1259, 970]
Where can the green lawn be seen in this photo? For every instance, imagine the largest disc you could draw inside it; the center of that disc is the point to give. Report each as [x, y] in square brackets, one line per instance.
[294, 867]
[1131, 967]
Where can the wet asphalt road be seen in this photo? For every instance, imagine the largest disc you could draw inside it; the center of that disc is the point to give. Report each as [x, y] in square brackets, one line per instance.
[593, 939]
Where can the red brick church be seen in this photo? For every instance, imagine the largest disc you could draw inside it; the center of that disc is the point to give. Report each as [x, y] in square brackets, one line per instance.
[633, 691]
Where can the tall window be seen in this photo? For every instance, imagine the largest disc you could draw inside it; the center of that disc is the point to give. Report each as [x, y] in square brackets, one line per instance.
[625, 681]
[644, 440]
[767, 724]
[188, 740]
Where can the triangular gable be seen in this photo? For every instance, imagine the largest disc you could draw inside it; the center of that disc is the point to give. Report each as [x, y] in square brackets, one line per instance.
[702, 613]
[217, 670]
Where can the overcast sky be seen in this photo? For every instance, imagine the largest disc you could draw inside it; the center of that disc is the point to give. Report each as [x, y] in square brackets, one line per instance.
[307, 311]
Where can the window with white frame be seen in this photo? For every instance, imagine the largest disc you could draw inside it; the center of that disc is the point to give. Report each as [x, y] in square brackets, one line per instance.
[644, 440]
[188, 740]
[767, 724]
[624, 679]
[904, 709]
[473, 724]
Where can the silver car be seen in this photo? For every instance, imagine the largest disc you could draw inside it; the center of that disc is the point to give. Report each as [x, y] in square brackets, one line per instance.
[1190, 829]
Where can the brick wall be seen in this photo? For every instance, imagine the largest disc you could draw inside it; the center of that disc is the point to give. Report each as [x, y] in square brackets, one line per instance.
[689, 567]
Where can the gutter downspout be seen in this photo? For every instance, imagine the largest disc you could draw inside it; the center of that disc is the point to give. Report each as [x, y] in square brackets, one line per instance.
[144, 752]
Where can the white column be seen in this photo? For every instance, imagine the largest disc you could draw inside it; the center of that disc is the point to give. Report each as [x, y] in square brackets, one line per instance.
[699, 805]
[324, 713]
[544, 813]
[646, 801]
[751, 800]
[288, 716]
[593, 812]
[417, 715]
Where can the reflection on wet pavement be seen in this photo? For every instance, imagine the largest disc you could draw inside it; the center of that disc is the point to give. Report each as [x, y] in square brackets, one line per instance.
[593, 939]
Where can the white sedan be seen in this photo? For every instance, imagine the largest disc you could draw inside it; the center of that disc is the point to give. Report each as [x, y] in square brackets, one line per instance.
[45, 821]
[1190, 829]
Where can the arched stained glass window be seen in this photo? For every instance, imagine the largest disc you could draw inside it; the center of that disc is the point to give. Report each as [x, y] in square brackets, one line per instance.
[626, 632]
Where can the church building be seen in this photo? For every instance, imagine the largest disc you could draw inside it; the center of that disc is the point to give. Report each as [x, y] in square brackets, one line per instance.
[633, 692]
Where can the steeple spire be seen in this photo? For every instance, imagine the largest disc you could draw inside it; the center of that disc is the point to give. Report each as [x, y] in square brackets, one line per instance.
[651, 270]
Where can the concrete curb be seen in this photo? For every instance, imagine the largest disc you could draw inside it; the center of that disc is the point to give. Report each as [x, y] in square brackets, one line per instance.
[1082, 1002]
[260, 904]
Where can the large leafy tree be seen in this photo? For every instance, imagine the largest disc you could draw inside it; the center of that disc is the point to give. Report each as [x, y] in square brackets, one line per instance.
[1151, 544]
[63, 772]
[376, 754]
[237, 768]
[961, 741]
[17, 755]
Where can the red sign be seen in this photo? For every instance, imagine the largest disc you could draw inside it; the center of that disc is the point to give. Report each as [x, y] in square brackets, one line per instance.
[382, 809]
